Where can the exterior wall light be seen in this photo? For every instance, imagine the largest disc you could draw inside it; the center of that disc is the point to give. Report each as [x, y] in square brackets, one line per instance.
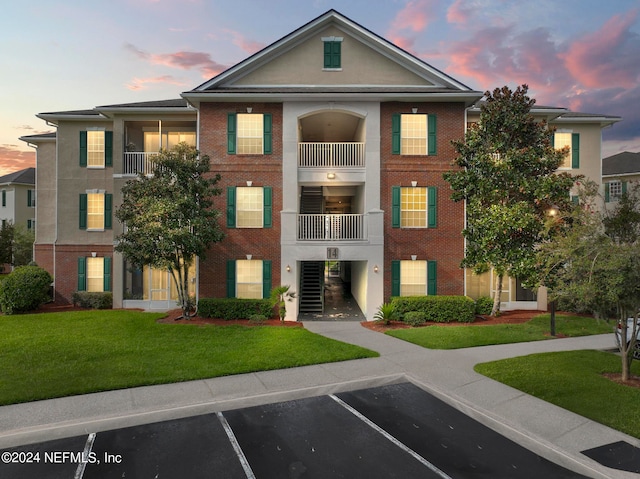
[375, 269]
[249, 256]
[288, 269]
[331, 176]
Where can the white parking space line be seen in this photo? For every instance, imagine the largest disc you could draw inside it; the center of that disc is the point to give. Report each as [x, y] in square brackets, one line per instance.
[388, 436]
[236, 446]
[85, 455]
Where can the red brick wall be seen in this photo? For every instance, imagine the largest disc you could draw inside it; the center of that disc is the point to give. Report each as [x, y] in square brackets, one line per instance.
[444, 243]
[66, 273]
[236, 170]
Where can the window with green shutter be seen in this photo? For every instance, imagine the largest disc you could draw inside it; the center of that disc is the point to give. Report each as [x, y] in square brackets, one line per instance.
[414, 134]
[414, 207]
[332, 54]
[249, 207]
[96, 148]
[249, 133]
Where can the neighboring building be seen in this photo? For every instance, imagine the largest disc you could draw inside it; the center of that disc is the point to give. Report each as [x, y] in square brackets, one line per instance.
[18, 198]
[331, 144]
[618, 171]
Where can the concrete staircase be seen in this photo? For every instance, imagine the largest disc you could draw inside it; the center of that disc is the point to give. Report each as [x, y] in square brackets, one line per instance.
[312, 287]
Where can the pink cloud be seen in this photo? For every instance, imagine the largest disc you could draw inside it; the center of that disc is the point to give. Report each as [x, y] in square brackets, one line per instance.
[459, 12]
[249, 46]
[184, 60]
[12, 159]
[141, 83]
[609, 56]
[411, 20]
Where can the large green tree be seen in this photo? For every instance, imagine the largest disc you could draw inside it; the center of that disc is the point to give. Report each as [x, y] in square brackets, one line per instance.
[594, 264]
[168, 216]
[507, 175]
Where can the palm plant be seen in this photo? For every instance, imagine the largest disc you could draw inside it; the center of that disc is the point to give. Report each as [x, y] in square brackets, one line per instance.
[279, 296]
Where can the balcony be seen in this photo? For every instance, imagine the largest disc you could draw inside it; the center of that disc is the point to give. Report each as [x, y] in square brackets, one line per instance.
[138, 162]
[331, 228]
[331, 155]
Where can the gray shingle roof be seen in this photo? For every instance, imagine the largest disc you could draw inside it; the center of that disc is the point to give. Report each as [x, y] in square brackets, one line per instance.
[23, 177]
[621, 164]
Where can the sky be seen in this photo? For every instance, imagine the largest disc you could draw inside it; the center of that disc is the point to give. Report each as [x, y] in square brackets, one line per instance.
[78, 54]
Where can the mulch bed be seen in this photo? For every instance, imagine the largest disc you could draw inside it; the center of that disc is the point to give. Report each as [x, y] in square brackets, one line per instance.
[173, 317]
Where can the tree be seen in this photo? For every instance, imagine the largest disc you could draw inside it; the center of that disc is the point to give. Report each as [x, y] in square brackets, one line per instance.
[507, 174]
[279, 297]
[594, 263]
[6, 243]
[168, 217]
[16, 245]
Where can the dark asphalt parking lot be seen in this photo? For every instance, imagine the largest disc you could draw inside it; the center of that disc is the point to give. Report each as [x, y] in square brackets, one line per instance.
[395, 431]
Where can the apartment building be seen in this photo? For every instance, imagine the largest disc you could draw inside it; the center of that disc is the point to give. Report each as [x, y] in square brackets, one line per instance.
[18, 198]
[331, 144]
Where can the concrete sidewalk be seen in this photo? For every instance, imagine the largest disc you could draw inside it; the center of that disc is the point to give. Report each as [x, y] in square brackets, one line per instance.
[550, 431]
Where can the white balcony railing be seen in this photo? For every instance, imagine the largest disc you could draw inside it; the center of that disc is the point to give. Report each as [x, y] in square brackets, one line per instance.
[331, 155]
[138, 162]
[331, 227]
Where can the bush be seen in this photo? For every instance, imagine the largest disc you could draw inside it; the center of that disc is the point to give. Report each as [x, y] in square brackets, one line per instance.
[386, 313]
[234, 308]
[257, 319]
[484, 305]
[415, 318]
[93, 300]
[439, 309]
[25, 289]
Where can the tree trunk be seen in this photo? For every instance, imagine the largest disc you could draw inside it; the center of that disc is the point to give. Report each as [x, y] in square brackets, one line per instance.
[497, 295]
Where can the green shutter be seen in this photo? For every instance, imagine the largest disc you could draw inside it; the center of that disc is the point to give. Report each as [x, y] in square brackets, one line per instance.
[432, 278]
[332, 53]
[107, 274]
[231, 207]
[231, 279]
[395, 206]
[231, 133]
[83, 211]
[395, 278]
[575, 199]
[82, 273]
[266, 278]
[108, 148]
[108, 211]
[267, 207]
[327, 55]
[4, 198]
[624, 187]
[575, 150]
[606, 193]
[267, 125]
[432, 207]
[395, 134]
[83, 148]
[29, 193]
[431, 135]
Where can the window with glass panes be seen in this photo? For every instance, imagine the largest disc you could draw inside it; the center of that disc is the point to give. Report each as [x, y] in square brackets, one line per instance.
[413, 278]
[413, 207]
[249, 206]
[95, 274]
[413, 130]
[249, 279]
[560, 141]
[95, 211]
[615, 190]
[95, 148]
[250, 130]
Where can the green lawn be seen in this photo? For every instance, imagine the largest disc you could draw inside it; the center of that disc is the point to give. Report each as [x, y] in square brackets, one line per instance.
[573, 380]
[61, 354]
[455, 337]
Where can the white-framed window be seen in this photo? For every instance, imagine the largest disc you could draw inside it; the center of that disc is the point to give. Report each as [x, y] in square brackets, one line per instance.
[413, 134]
[413, 207]
[95, 274]
[249, 279]
[95, 149]
[31, 224]
[95, 211]
[615, 190]
[561, 140]
[31, 198]
[249, 207]
[413, 278]
[250, 133]
[169, 139]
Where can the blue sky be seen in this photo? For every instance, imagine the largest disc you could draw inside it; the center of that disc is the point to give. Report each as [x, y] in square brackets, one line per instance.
[77, 54]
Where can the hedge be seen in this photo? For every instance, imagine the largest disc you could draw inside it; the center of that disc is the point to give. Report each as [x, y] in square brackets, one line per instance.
[484, 305]
[93, 300]
[25, 289]
[439, 309]
[234, 308]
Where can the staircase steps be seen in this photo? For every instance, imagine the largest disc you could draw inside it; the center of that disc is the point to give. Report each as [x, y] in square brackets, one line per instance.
[312, 287]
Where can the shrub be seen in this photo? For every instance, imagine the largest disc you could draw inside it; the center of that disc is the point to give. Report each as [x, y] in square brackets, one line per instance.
[93, 300]
[415, 318]
[25, 289]
[386, 313]
[484, 305]
[257, 318]
[234, 308]
[439, 309]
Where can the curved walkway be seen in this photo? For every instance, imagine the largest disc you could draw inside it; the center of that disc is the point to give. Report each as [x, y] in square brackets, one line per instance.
[548, 430]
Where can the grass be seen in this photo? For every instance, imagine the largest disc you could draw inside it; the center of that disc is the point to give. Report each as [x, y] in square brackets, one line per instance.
[573, 380]
[61, 354]
[455, 337]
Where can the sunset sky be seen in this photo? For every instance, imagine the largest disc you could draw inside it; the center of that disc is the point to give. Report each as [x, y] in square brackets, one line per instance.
[78, 54]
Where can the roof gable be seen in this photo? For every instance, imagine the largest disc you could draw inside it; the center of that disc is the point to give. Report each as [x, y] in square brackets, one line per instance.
[296, 61]
[23, 177]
